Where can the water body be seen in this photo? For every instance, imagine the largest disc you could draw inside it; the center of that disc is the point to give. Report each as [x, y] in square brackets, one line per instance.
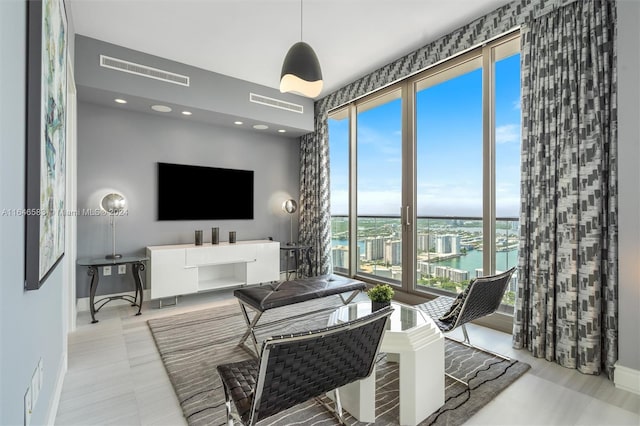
[473, 260]
[469, 262]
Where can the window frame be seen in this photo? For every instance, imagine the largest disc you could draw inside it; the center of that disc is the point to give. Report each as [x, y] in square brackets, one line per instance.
[487, 55]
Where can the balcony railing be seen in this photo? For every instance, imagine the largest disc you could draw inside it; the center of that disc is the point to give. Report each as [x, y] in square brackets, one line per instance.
[449, 250]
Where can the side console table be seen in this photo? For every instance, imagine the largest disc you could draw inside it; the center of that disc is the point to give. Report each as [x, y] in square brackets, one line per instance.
[298, 252]
[137, 265]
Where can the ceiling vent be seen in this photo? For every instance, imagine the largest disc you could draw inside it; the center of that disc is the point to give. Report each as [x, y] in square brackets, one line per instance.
[143, 70]
[275, 103]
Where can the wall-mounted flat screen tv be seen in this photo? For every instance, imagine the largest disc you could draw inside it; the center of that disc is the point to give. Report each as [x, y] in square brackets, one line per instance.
[204, 193]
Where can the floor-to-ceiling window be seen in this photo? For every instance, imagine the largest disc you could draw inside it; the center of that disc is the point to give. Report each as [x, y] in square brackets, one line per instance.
[507, 160]
[434, 185]
[449, 175]
[379, 186]
[338, 125]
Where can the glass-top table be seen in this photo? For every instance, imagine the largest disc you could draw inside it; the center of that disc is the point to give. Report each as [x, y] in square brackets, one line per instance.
[136, 265]
[402, 319]
[414, 341]
[103, 261]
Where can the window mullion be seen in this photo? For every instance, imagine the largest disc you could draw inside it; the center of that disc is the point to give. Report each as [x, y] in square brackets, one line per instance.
[353, 173]
[489, 162]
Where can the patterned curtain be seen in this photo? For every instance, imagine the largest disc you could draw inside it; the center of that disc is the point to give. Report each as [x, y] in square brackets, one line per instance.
[566, 303]
[315, 215]
[315, 220]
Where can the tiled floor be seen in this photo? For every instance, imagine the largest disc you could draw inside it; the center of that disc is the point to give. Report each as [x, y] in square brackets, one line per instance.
[116, 377]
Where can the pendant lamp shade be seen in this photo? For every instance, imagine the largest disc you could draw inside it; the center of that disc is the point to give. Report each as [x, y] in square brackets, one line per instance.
[301, 73]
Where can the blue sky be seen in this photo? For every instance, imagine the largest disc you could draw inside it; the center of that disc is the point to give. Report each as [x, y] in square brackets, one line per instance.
[449, 149]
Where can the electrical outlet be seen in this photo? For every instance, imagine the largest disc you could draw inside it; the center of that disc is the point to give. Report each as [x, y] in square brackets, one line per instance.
[28, 408]
[106, 270]
[122, 269]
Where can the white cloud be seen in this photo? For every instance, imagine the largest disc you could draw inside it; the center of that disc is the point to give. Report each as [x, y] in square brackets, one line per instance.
[516, 104]
[508, 133]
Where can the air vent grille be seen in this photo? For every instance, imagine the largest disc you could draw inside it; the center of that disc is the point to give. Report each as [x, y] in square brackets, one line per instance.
[143, 70]
[275, 103]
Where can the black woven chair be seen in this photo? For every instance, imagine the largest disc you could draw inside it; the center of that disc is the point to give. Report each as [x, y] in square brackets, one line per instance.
[296, 368]
[481, 298]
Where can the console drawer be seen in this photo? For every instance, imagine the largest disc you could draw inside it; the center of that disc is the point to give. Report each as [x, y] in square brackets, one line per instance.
[212, 255]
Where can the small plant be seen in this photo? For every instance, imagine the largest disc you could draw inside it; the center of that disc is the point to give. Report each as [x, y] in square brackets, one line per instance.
[380, 293]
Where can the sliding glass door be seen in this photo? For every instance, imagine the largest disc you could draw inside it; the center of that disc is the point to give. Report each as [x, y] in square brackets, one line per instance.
[449, 175]
[379, 187]
[426, 195]
[338, 124]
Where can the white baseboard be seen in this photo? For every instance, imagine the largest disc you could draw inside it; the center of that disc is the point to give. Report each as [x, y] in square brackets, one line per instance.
[57, 390]
[82, 304]
[626, 378]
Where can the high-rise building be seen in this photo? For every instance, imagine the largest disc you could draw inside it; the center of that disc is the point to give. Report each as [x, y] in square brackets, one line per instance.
[448, 244]
[425, 270]
[340, 257]
[426, 242]
[374, 248]
[456, 275]
[393, 252]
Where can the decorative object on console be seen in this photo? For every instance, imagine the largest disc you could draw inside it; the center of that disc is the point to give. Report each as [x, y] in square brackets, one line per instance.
[199, 237]
[290, 206]
[301, 73]
[215, 236]
[114, 204]
[232, 237]
[380, 296]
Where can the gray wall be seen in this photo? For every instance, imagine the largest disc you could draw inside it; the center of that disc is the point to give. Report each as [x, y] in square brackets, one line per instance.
[119, 150]
[30, 322]
[629, 177]
[209, 93]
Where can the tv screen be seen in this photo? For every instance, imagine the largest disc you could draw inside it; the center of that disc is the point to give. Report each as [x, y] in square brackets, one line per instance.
[204, 193]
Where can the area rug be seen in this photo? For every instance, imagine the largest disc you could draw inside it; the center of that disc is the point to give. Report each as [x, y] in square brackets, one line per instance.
[193, 344]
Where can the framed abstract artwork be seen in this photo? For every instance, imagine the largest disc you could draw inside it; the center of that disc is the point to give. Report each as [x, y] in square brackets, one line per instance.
[46, 139]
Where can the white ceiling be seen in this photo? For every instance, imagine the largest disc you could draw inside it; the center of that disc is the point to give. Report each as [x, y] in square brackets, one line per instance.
[248, 39]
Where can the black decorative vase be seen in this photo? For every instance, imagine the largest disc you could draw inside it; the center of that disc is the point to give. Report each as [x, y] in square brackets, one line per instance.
[378, 305]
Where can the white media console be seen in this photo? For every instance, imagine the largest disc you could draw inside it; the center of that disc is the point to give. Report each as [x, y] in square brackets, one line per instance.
[186, 268]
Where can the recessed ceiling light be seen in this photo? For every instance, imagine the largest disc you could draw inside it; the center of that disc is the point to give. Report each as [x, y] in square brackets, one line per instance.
[161, 108]
[282, 131]
[260, 126]
[237, 122]
[186, 113]
[120, 101]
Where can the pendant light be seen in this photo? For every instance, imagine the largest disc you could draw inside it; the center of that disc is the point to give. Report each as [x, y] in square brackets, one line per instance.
[301, 73]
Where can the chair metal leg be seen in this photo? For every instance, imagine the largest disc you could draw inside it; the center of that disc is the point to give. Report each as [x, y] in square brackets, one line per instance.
[339, 413]
[466, 384]
[228, 408]
[337, 410]
[468, 344]
[466, 335]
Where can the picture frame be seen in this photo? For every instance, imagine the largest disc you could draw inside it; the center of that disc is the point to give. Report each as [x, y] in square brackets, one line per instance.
[45, 139]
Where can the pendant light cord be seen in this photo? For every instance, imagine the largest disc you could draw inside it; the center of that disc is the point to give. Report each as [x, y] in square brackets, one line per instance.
[301, 22]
